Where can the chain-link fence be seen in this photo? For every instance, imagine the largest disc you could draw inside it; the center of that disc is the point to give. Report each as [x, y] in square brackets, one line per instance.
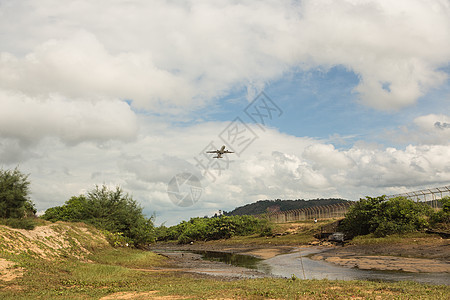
[429, 196]
[317, 212]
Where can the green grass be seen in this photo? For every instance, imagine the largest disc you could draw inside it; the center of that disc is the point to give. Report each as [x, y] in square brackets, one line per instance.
[409, 238]
[127, 257]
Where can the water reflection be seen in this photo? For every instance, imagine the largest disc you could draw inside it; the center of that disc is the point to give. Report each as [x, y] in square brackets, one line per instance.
[238, 260]
[298, 264]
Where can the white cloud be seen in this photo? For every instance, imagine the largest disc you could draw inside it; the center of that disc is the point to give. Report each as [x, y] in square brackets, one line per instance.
[427, 129]
[275, 166]
[31, 119]
[167, 56]
[66, 69]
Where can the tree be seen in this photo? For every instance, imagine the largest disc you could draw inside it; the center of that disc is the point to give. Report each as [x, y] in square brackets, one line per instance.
[383, 217]
[445, 201]
[359, 218]
[14, 195]
[441, 219]
[400, 215]
[108, 209]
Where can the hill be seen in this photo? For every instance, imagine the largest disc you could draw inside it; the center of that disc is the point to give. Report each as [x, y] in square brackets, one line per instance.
[55, 240]
[264, 206]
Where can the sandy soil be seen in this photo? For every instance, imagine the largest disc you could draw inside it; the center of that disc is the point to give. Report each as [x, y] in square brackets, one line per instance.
[430, 256]
[8, 271]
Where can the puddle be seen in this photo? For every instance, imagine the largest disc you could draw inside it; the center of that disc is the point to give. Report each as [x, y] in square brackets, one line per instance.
[238, 260]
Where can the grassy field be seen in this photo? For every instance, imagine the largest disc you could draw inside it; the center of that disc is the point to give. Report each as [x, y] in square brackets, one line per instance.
[104, 271]
[131, 272]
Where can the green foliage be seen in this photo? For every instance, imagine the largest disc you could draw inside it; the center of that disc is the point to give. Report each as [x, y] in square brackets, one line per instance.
[359, 218]
[110, 210]
[116, 239]
[445, 204]
[224, 227]
[383, 217]
[23, 223]
[14, 199]
[75, 209]
[441, 219]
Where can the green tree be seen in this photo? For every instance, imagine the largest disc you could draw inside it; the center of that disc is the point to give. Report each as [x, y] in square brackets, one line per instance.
[14, 195]
[383, 217]
[360, 216]
[400, 215]
[221, 227]
[441, 219]
[445, 201]
[108, 209]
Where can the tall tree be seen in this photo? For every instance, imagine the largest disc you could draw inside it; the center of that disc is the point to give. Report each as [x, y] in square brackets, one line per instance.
[14, 195]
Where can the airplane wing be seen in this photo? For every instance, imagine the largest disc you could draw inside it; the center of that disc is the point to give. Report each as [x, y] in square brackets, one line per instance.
[226, 151]
[215, 151]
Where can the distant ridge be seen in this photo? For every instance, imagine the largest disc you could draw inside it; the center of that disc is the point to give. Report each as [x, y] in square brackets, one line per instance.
[265, 206]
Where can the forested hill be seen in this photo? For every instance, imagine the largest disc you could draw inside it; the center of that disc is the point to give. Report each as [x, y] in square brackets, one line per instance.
[264, 206]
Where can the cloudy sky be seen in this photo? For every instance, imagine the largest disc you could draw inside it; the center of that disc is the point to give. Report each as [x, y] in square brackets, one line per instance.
[355, 102]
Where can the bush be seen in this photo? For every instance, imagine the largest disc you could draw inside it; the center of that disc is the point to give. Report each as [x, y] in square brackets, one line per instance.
[106, 209]
[383, 217]
[24, 223]
[223, 227]
[441, 218]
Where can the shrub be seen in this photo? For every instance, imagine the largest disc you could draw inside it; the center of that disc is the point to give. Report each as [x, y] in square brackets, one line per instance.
[23, 223]
[107, 209]
[383, 217]
[441, 218]
[223, 227]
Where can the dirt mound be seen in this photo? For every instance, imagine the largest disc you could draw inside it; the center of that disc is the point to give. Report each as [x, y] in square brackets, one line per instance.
[52, 241]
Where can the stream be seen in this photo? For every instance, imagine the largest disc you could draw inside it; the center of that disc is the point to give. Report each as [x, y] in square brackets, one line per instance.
[298, 264]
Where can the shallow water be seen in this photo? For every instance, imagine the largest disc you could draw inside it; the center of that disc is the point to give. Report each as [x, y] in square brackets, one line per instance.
[287, 265]
[303, 267]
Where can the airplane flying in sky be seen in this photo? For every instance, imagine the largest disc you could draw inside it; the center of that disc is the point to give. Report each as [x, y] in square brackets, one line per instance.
[220, 152]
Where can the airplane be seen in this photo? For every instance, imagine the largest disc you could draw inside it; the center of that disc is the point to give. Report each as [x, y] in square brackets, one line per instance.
[219, 152]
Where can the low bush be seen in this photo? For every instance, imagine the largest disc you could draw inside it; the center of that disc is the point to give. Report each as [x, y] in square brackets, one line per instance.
[223, 227]
[22, 223]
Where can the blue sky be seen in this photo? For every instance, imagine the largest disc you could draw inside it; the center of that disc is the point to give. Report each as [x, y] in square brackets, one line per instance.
[133, 97]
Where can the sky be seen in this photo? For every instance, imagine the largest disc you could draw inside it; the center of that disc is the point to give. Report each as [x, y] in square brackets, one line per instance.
[317, 98]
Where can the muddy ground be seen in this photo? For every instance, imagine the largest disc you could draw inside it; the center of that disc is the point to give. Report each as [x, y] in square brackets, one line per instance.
[430, 256]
